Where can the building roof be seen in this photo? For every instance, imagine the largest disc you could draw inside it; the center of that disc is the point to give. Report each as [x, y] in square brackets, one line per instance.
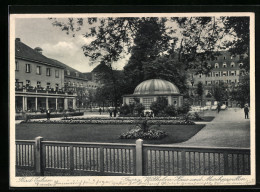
[156, 87]
[101, 68]
[25, 52]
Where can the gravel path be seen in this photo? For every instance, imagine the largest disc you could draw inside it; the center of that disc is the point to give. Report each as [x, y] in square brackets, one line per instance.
[228, 129]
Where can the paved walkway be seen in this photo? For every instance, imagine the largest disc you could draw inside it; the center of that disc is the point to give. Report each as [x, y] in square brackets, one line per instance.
[228, 129]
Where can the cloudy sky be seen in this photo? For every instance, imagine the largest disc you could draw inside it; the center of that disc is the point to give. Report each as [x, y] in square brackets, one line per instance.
[39, 32]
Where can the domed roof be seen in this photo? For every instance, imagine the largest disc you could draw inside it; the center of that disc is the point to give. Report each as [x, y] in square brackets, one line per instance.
[156, 86]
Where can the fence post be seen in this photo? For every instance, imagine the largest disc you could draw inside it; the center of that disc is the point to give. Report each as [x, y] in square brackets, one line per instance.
[139, 157]
[38, 157]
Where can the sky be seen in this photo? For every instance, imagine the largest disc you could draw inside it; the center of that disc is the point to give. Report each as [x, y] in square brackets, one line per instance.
[56, 44]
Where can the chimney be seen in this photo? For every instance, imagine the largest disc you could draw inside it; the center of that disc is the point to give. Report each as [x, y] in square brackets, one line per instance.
[18, 39]
[38, 49]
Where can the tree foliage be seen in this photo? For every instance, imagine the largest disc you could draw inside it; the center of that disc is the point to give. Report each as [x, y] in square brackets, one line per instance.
[219, 92]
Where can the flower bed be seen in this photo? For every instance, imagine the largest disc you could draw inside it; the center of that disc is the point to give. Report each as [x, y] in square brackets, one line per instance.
[112, 121]
[138, 133]
[123, 118]
[53, 115]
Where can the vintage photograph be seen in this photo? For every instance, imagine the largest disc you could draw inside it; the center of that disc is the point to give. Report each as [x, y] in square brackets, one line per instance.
[167, 97]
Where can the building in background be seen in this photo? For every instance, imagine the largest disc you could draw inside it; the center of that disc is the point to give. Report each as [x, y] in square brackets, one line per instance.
[225, 69]
[39, 81]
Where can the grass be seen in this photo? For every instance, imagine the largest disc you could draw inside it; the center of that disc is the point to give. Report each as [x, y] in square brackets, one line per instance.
[103, 133]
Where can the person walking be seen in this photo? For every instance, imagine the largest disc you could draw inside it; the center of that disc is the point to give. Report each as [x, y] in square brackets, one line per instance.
[246, 110]
[110, 112]
[100, 110]
[48, 112]
[218, 107]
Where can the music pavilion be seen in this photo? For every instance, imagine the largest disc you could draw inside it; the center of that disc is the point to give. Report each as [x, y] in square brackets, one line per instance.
[148, 91]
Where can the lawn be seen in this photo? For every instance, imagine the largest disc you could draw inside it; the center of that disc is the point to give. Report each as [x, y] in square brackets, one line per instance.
[105, 133]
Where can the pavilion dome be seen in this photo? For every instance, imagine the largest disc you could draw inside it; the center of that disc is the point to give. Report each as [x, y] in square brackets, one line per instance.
[156, 86]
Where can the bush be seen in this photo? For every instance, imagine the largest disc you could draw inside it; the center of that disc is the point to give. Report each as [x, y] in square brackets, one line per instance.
[138, 107]
[42, 116]
[185, 108]
[125, 110]
[159, 105]
[138, 133]
[171, 110]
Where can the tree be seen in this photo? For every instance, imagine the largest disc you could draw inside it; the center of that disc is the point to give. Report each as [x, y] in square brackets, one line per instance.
[220, 92]
[238, 27]
[200, 91]
[241, 93]
[159, 105]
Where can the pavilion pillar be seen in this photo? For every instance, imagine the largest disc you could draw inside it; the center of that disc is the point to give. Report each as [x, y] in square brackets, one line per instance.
[25, 103]
[65, 103]
[56, 102]
[47, 103]
[141, 100]
[169, 100]
[74, 103]
[36, 101]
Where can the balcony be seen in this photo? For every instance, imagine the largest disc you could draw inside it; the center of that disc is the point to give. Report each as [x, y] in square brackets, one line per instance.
[30, 89]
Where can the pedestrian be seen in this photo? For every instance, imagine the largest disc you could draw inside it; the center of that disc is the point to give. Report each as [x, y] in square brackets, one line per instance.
[218, 107]
[48, 112]
[110, 112]
[100, 110]
[246, 110]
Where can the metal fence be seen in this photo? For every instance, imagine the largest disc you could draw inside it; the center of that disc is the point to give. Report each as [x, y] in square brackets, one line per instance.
[129, 159]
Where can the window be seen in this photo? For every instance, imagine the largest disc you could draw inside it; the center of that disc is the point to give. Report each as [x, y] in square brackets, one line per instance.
[232, 73]
[68, 72]
[147, 102]
[81, 85]
[73, 84]
[57, 73]
[77, 74]
[217, 74]
[240, 64]
[28, 68]
[48, 71]
[232, 64]
[48, 85]
[38, 70]
[16, 66]
[200, 75]
[224, 65]
[224, 73]
[69, 83]
[206, 82]
[28, 83]
[38, 84]
[231, 57]
[216, 65]
[224, 58]
[77, 84]
[57, 86]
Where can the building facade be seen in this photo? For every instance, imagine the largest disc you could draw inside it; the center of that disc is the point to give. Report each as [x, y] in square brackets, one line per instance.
[39, 82]
[225, 69]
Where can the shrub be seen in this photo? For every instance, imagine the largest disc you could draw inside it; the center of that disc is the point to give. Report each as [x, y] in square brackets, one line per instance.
[185, 108]
[42, 116]
[137, 132]
[138, 107]
[124, 110]
[159, 105]
[171, 110]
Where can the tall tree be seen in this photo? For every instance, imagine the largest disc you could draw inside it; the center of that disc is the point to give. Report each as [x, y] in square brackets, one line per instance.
[220, 92]
[200, 91]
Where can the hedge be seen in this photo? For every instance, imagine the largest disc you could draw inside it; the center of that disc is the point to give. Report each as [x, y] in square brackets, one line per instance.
[112, 121]
[54, 115]
[124, 118]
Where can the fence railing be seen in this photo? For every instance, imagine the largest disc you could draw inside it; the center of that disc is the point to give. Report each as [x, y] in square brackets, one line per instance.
[129, 159]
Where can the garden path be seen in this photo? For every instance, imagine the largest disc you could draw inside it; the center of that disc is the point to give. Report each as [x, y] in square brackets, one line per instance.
[229, 128]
